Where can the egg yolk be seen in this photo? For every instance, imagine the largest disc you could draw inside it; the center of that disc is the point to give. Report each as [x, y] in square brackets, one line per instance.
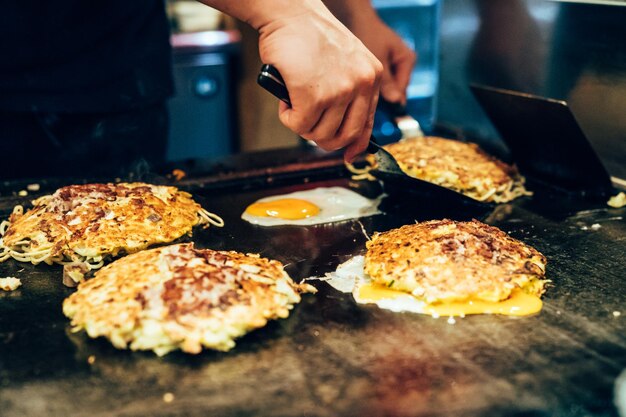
[286, 208]
[518, 304]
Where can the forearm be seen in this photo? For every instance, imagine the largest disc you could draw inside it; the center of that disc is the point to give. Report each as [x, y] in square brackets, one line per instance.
[348, 10]
[260, 13]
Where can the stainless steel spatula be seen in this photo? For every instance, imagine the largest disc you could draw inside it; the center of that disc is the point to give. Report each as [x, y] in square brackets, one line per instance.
[407, 124]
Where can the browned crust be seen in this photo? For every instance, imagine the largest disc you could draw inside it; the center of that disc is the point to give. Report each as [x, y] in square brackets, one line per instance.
[102, 219]
[445, 260]
[198, 297]
[460, 166]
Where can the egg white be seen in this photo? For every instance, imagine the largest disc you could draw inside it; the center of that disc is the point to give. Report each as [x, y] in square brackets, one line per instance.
[350, 276]
[336, 204]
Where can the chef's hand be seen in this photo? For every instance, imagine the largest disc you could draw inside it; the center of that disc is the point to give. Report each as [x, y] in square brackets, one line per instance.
[397, 58]
[332, 78]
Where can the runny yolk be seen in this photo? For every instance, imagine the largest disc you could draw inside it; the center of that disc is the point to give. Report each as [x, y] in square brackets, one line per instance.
[286, 208]
[518, 304]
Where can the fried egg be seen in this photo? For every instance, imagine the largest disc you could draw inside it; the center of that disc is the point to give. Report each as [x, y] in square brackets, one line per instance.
[446, 268]
[315, 206]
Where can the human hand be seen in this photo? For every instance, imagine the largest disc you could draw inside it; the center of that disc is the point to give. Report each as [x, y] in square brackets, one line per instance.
[333, 80]
[397, 58]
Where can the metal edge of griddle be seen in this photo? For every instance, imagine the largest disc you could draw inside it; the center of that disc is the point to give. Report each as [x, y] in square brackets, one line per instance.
[265, 177]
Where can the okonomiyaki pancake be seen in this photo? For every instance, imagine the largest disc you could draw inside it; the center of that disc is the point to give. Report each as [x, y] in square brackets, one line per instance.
[179, 297]
[459, 166]
[449, 261]
[82, 225]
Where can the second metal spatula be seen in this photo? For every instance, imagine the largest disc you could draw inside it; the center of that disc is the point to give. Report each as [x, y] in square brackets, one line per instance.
[409, 126]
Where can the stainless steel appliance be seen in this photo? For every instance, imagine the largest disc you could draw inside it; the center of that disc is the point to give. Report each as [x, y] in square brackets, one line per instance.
[203, 113]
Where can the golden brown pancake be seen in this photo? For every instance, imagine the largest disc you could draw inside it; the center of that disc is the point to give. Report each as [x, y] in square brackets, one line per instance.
[459, 166]
[81, 225]
[180, 297]
[446, 260]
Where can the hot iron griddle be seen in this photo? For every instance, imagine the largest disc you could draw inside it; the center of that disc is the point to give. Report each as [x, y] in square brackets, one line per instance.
[332, 357]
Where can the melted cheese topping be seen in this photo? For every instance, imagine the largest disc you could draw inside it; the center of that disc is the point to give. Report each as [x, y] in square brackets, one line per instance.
[518, 304]
[287, 208]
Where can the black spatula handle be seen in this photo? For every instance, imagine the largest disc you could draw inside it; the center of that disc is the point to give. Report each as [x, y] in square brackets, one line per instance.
[372, 147]
[270, 79]
[393, 110]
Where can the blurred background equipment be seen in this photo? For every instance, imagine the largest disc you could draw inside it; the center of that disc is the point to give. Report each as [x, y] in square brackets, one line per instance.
[203, 112]
[192, 16]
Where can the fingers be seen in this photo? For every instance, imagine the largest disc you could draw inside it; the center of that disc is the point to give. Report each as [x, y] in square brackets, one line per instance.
[353, 126]
[359, 145]
[389, 88]
[361, 139]
[302, 117]
[402, 65]
[397, 72]
[339, 117]
[325, 132]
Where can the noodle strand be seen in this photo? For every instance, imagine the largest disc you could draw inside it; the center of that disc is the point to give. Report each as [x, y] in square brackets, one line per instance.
[211, 218]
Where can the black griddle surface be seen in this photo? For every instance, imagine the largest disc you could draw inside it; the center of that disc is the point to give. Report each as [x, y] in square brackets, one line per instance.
[332, 357]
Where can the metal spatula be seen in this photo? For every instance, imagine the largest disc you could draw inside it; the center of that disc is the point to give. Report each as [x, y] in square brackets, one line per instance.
[546, 141]
[407, 124]
[396, 181]
[270, 79]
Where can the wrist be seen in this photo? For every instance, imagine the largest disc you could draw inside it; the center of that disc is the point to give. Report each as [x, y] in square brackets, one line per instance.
[261, 13]
[264, 13]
